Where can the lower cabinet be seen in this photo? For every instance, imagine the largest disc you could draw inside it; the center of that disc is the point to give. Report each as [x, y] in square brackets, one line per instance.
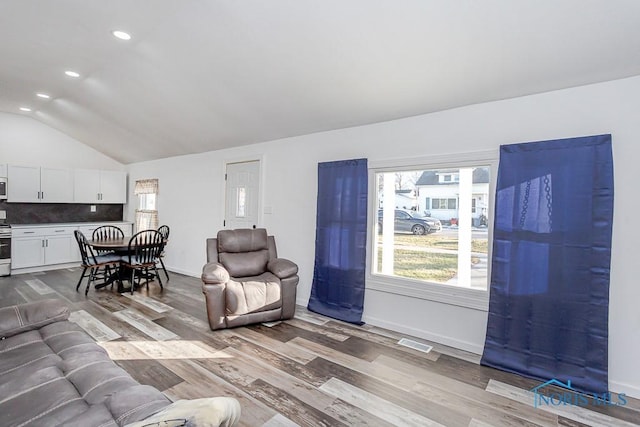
[27, 252]
[42, 246]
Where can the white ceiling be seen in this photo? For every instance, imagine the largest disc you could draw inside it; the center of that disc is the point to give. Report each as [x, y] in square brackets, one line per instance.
[204, 75]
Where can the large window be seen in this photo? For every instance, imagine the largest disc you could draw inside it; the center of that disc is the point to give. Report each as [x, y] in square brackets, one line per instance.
[443, 240]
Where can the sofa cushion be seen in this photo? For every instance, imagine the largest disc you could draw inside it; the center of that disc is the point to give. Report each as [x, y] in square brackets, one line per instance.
[49, 399]
[96, 415]
[243, 240]
[245, 264]
[135, 403]
[24, 353]
[253, 294]
[58, 375]
[27, 317]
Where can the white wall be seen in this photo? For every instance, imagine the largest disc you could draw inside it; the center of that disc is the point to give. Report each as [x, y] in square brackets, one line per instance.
[26, 141]
[191, 199]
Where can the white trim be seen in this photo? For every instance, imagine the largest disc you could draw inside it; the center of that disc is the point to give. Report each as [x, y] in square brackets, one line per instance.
[421, 333]
[436, 161]
[448, 294]
[40, 268]
[171, 269]
[627, 389]
[261, 180]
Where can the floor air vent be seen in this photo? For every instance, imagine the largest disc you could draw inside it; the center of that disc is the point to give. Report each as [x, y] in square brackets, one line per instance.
[415, 345]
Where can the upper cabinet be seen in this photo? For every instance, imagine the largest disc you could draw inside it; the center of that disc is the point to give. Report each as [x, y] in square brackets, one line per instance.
[32, 184]
[98, 186]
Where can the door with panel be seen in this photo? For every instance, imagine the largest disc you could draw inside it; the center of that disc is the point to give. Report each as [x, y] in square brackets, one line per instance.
[242, 195]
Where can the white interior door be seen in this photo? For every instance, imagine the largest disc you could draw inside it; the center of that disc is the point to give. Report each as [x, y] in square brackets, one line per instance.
[242, 193]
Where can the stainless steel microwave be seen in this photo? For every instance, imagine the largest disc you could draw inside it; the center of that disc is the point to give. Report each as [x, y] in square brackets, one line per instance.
[3, 188]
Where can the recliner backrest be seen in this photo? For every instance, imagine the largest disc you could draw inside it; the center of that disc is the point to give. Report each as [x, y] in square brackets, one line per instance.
[243, 252]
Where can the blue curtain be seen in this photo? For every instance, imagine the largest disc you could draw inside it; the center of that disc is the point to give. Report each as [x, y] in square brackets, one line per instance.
[341, 236]
[549, 302]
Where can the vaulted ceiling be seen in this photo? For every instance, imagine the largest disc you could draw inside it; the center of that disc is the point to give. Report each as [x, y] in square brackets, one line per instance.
[204, 75]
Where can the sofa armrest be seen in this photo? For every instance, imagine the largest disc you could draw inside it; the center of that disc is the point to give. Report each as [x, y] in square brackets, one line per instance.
[282, 268]
[214, 273]
[26, 317]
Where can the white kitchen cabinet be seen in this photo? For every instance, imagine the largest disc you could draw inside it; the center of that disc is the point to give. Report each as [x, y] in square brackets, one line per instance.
[98, 186]
[32, 247]
[27, 252]
[33, 184]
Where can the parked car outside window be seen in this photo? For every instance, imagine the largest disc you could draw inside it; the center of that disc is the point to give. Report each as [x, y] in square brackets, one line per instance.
[412, 222]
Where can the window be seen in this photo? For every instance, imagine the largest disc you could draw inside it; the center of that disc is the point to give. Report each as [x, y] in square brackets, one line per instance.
[444, 242]
[443, 204]
[147, 212]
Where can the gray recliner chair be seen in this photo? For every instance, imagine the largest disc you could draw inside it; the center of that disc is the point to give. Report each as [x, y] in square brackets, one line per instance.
[245, 282]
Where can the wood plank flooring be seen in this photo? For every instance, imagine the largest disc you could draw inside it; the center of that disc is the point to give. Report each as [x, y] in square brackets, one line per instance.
[307, 371]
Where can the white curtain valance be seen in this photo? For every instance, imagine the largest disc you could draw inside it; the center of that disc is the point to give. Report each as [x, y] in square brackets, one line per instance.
[146, 186]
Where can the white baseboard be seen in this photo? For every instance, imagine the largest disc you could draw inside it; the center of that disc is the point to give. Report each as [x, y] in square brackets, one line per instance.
[628, 389]
[185, 272]
[421, 333]
[44, 268]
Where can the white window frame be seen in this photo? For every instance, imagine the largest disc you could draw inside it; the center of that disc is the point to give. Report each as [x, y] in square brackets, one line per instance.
[454, 295]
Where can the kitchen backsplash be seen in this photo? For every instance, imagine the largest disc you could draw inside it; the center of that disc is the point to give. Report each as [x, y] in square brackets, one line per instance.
[42, 213]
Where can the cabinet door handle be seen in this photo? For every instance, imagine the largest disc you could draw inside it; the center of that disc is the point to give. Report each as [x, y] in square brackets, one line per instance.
[43, 243]
[60, 231]
[28, 232]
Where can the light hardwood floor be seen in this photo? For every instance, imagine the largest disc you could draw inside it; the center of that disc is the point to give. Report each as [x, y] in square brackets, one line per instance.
[307, 371]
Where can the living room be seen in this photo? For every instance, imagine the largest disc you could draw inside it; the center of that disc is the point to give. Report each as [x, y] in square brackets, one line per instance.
[192, 186]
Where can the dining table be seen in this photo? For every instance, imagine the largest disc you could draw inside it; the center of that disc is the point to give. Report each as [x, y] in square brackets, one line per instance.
[120, 246]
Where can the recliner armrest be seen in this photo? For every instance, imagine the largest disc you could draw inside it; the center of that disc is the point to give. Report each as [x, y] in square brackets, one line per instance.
[30, 316]
[282, 268]
[214, 273]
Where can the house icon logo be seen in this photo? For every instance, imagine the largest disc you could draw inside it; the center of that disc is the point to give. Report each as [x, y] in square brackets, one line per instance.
[540, 398]
[568, 396]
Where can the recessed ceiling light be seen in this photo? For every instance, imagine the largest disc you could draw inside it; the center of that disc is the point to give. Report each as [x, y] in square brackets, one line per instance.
[121, 35]
[25, 109]
[43, 95]
[71, 73]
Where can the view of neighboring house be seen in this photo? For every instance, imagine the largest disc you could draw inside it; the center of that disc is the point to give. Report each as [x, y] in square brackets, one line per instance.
[437, 193]
[405, 199]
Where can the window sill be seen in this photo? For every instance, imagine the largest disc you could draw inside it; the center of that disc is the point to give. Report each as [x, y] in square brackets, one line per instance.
[447, 294]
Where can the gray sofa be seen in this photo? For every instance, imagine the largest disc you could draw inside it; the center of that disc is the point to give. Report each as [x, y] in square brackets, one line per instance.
[245, 282]
[53, 374]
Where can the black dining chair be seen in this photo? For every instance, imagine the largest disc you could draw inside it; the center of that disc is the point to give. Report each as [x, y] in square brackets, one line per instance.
[101, 267]
[143, 254]
[164, 231]
[107, 232]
